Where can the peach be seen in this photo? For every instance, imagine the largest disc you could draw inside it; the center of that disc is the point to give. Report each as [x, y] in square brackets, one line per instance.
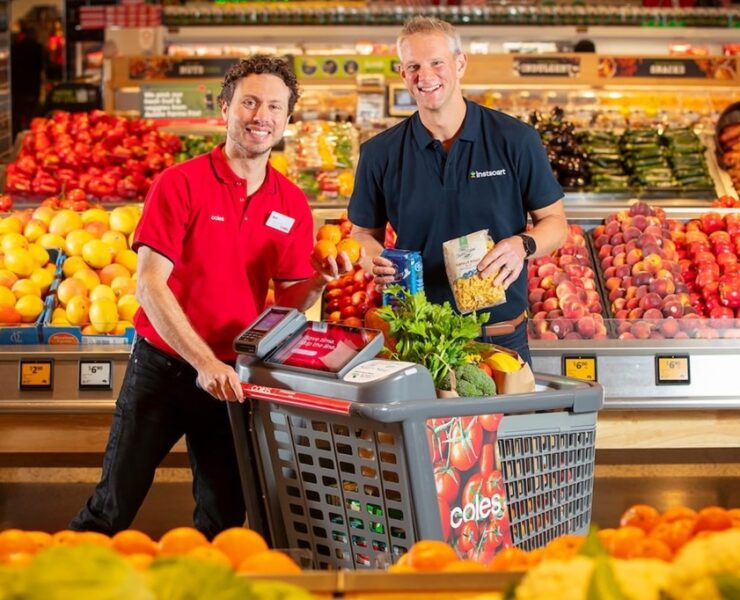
[586, 326]
[641, 330]
[669, 327]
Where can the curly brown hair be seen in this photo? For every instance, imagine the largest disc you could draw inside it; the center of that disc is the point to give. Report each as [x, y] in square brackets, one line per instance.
[260, 64]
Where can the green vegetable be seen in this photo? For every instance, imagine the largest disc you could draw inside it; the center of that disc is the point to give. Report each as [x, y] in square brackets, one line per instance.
[185, 578]
[12, 583]
[83, 573]
[728, 586]
[472, 381]
[603, 584]
[429, 334]
[593, 547]
[277, 590]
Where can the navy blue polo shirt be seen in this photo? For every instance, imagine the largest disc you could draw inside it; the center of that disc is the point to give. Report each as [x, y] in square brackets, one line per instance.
[495, 173]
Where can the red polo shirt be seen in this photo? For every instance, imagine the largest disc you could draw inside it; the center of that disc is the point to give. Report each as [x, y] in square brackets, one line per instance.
[224, 243]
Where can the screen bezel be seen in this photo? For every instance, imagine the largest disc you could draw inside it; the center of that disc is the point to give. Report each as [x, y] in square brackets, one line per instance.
[256, 326]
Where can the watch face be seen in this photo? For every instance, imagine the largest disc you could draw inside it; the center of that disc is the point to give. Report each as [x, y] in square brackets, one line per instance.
[529, 244]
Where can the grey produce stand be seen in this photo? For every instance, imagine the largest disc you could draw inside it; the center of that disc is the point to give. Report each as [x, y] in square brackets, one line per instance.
[342, 465]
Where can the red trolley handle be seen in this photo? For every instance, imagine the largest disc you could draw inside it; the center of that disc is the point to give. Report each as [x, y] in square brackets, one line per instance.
[302, 399]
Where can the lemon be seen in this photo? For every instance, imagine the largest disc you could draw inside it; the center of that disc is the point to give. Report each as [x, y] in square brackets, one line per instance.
[500, 361]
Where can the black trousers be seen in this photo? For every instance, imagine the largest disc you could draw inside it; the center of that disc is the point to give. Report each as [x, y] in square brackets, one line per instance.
[158, 403]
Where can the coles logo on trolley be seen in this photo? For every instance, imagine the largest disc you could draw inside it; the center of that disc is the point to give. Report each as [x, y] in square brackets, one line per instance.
[481, 509]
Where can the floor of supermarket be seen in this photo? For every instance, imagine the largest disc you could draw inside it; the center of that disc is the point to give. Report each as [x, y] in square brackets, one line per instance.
[45, 498]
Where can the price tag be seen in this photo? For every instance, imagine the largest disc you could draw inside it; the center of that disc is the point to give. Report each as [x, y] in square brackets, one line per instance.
[96, 375]
[672, 370]
[580, 367]
[36, 374]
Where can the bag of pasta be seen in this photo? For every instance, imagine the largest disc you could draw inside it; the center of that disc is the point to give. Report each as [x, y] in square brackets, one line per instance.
[471, 291]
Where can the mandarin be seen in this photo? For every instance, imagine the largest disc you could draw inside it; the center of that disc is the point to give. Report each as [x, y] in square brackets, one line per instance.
[132, 541]
[351, 248]
[712, 518]
[564, 547]
[650, 547]
[269, 561]
[181, 540]
[238, 543]
[431, 555]
[323, 250]
[510, 559]
[16, 540]
[640, 515]
[210, 554]
[332, 233]
[675, 533]
[677, 513]
[622, 540]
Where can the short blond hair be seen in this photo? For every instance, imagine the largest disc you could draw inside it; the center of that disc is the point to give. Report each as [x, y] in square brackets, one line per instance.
[421, 24]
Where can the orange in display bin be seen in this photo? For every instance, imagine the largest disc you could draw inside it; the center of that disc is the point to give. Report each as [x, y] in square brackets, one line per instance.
[72, 334]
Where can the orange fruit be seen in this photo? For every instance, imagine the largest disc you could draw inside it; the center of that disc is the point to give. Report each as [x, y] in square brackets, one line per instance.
[69, 288]
[464, 566]
[16, 540]
[510, 559]
[7, 278]
[94, 214]
[564, 547]
[71, 265]
[210, 554]
[29, 307]
[674, 534]
[677, 513]
[11, 224]
[64, 222]
[351, 248]
[734, 514]
[19, 261]
[140, 562]
[238, 543]
[9, 315]
[128, 259]
[78, 310]
[269, 561]
[42, 538]
[51, 240]
[650, 547]
[115, 241]
[103, 315]
[132, 541]
[710, 518]
[431, 555]
[113, 270]
[75, 240]
[123, 219]
[323, 250]
[97, 254]
[34, 229]
[123, 286]
[66, 537]
[16, 559]
[88, 277]
[181, 540]
[640, 515]
[605, 536]
[332, 233]
[623, 540]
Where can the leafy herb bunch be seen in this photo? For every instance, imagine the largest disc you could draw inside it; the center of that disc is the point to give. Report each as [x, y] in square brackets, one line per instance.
[429, 334]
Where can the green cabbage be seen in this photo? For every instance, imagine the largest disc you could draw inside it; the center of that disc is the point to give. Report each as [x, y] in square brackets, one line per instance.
[187, 578]
[83, 573]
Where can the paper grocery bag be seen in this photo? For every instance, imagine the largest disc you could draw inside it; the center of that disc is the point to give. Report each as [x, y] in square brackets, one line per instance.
[449, 393]
[518, 382]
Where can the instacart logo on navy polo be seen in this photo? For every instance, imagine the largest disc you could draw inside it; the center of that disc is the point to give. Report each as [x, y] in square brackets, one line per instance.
[483, 174]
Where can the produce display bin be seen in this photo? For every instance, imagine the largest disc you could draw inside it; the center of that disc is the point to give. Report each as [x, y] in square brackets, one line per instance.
[353, 480]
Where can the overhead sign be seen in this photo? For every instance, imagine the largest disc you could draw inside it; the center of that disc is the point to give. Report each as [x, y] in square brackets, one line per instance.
[723, 68]
[180, 101]
[345, 66]
[546, 66]
[165, 67]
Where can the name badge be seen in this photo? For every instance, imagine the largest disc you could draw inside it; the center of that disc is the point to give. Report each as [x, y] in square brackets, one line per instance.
[280, 222]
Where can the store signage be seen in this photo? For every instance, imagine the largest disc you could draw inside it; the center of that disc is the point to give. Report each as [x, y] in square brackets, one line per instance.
[96, 375]
[546, 66]
[580, 367]
[180, 101]
[723, 68]
[345, 66]
[165, 67]
[672, 370]
[36, 374]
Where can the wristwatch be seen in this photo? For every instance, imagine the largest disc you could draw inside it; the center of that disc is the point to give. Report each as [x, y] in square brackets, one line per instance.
[530, 246]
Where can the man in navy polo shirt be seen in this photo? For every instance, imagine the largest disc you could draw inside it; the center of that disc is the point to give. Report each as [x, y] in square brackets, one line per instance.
[453, 168]
[214, 232]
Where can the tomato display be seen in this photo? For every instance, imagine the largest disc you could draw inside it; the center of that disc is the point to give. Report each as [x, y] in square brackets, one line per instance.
[470, 487]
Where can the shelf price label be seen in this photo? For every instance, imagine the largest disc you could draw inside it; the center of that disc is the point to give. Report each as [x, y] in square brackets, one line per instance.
[580, 367]
[96, 375]
[672, 370]
[36, 374]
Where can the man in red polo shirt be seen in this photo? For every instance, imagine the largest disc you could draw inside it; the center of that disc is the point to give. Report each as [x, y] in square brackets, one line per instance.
[214, 232]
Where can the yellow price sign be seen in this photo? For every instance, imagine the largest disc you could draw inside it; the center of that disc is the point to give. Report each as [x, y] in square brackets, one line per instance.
[580, 367]
[673, 370]
[36, 374]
